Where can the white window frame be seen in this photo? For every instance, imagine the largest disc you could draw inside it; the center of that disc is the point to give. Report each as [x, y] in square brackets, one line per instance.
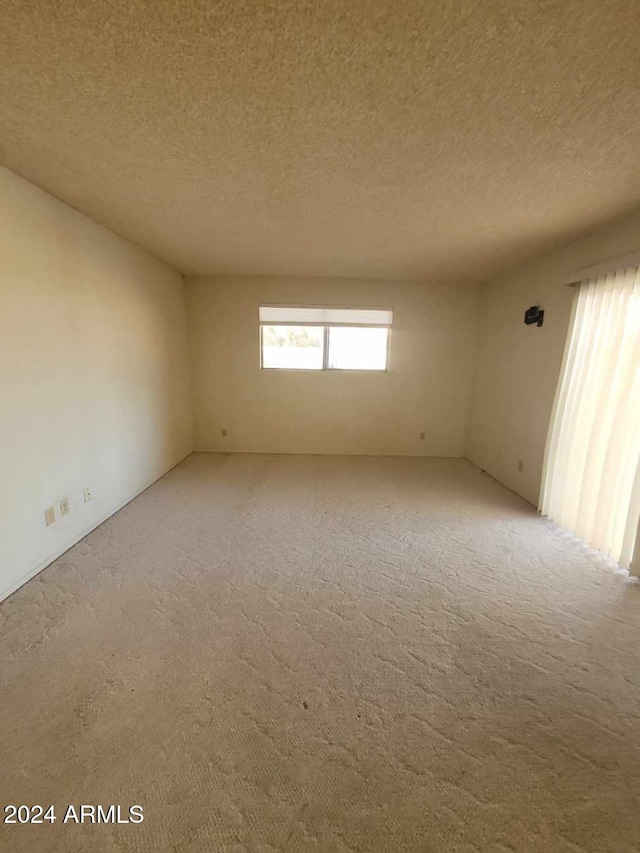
[340, 315]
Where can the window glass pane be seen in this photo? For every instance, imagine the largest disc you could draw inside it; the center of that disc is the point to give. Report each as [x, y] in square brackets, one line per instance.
[293, 347]
[357, 348]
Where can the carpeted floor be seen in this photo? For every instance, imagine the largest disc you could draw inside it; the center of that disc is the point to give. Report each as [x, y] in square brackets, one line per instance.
[281, 653]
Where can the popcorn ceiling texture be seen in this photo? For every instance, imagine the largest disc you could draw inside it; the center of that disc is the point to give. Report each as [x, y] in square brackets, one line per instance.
[289, 653]
[406, 140]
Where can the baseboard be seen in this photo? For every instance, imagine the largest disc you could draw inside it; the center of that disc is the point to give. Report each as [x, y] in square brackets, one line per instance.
[327, 453]
[499, 481]
[14, 587]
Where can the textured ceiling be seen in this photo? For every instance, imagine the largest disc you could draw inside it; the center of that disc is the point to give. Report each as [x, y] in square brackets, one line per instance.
[402, 140]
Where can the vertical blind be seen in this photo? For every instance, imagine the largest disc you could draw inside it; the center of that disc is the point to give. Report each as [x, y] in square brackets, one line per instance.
[591, 482]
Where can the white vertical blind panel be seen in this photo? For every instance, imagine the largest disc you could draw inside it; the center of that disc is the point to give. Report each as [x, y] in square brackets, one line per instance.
[592, 475]
[317, 315]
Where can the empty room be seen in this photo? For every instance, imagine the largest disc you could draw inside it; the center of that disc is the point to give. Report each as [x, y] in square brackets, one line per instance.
[319, 426]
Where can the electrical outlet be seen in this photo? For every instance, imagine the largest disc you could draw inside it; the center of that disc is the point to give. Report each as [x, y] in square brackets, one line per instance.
[87, 494]
[520, 465]
[224, 433]
[65, 509]
[421, 436]
[49, 516]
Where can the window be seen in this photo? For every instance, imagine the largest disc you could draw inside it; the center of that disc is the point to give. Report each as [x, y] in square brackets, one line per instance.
[316, 338]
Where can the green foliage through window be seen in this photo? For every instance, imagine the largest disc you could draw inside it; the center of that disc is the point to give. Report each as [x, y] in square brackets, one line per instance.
[291, 336]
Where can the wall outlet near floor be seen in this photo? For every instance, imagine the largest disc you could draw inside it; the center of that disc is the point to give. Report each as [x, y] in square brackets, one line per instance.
[65, 509]
[86, 492]
[49, 516]
[520, 465]
[421, 436]
[224, 433]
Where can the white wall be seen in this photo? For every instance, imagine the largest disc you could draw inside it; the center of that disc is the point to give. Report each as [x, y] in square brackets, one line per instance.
[426, 389]
[93, 374]
[518, 366]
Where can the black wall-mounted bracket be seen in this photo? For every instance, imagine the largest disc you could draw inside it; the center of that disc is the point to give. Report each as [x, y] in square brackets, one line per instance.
[534, 315]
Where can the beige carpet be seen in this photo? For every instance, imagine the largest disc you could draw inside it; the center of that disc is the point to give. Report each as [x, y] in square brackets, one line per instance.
[325, 654]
